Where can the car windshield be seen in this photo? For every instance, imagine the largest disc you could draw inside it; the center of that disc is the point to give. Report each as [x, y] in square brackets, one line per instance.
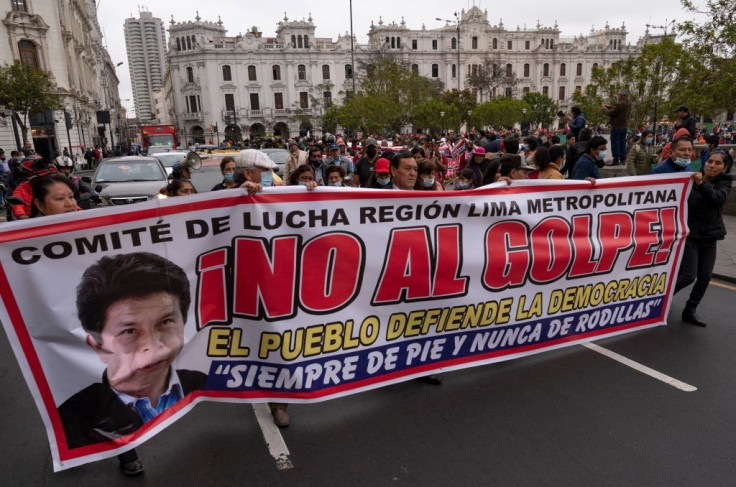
[129, 171]
[168, 159]
[279, 157]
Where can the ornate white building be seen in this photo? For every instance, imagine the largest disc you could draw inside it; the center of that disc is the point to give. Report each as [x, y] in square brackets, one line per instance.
[65, 40]
[257, 84]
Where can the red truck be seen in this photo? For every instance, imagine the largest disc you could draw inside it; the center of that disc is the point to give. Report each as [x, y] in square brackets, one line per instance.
[158, 135]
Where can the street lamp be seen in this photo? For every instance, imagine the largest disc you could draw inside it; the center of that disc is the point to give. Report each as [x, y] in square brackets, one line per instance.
[442, 130]
[523, 118]
[470, 112]
[457, 24]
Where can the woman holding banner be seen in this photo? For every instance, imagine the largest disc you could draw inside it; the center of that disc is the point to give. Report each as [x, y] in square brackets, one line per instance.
[705, 220]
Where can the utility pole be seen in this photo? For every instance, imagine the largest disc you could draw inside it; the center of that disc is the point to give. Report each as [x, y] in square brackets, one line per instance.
[457, 24]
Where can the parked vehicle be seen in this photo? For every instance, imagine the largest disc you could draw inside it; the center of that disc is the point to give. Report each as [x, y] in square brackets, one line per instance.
[126, 180]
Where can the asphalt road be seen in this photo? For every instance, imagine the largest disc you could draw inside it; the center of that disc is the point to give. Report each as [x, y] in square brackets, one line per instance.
[570, 417]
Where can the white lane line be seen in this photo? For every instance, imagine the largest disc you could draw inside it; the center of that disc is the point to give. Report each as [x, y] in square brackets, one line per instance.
[272, 435]
[641, 368]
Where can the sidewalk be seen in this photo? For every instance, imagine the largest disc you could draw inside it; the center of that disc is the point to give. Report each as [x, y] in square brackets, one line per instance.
[725, 267]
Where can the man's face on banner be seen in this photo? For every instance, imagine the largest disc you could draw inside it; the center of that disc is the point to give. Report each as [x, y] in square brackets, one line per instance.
[140, 339]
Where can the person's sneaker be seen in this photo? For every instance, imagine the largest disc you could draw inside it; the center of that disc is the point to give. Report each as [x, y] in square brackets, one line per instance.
[691, 319]
[134, 467]
[281, 417]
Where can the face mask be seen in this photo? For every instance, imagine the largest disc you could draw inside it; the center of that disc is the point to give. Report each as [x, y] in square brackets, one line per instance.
[463, 185]
[649, 140]
[371, 152]
[266, 178]
[337, 184]
[682, 161]
[428, 182]
[315, 162]
[230, 176]
[602, 155]
[383, 181]
[303, 183]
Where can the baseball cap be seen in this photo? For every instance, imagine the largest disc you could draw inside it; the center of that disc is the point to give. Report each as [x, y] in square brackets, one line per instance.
[382, 165]
[371, 141]
[682, 108]
[334, 147]
[249, 158]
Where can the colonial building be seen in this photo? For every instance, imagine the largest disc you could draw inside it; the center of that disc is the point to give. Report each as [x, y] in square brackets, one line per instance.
[253, 84]
[65, 40]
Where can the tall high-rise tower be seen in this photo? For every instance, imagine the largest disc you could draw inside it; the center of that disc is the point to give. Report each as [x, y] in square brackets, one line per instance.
[145, 41]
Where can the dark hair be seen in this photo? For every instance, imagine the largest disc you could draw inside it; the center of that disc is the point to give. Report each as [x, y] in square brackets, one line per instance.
[727, 159]
[554, 140]
[467, 174]
[419, 150]
[314, 149]
[508, 163]
[532, 143]
[332, 169]
[594, 143]
[511, 145]
[676, 142]
[576, 110]
[585, 134]
[122, 276]
[176, 184]
[555, 152]
[404, 154]
[224, 162]
[294, 178]
[490, 175]
[426, 166]
[542, 157]
[41, 187]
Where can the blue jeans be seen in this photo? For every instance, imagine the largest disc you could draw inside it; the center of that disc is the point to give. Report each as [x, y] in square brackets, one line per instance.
[618, 145]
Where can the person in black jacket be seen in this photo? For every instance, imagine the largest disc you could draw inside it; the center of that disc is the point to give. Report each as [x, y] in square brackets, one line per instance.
[705, 220]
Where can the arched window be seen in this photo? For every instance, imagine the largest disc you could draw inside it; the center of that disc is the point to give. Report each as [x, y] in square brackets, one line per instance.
[252, 73]
[388, 40]
[545, 69]
[301, 72]
[495, 43]
[435, 70]
[454, 71]
[398, 43]
[475, 42]
[299, 41]
[178, 44]
[276, 70]
[190, 74]
[183, 44]
[415, 68]
[293, 41]
[453, 43]
[563, 69]
[194, 41]
[393, 43]
[226, 73]
[348, 71]
[595, 66]
[189, 43]
[579, 70]
[28, 54]
[508, 71]
[526, 70]
[306, 42]
[325, 71]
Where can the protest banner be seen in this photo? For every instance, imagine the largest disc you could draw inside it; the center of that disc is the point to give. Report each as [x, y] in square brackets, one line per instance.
[300, 296]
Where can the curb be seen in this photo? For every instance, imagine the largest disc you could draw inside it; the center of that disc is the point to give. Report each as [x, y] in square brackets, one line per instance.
[724, 277]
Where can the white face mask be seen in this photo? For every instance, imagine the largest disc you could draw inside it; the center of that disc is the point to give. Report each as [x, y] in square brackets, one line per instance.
[428, 182]
[383, 181]
[602, 155]
[681, 161]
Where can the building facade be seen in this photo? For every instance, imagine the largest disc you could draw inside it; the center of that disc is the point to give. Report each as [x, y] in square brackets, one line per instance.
[145, 43]
[65, 40]
[254, 85]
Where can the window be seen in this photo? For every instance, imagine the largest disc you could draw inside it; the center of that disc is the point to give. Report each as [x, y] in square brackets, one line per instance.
[299, 42]
[293, 41]
[545, 69]
[509, 45]
[435, 70]
[327, 97]
[252, 73]
[545, 90]
[526, 45]
[306, 42]
[255, 103]
[415, 68]
[474, 42]
[398, 43]
[28, 54]
[562, 93]
[301, 72]
[495, 43]
[325, 71]
[189, 43]
[563, 69]
[348, 71]
[229, 102]
[454, 71]
[178, 44]
[525, 90]
[434, 44]
[579, 89]
[19, 5]
[509, 70]
[414, 44]
[526, 70]
[595, 66]
[453, 43]
[278, 101]
[303, 99]
[579, 70]
[393, 43]
[276, 71]
[509, 92]
[193, 105]
[226, 74]
[190, 74]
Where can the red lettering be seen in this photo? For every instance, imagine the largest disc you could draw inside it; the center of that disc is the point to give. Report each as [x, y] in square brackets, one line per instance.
[583, 263]
[331, 268]
[646, 238]
[615, 233]
[668, 218]
[551, 249]
[447, 280]
[211, 307]
[507, 255]
[407, 269]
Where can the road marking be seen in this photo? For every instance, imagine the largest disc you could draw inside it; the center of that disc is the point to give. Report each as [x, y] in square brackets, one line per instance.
[641, 368]
[272, 435]
[725, 286]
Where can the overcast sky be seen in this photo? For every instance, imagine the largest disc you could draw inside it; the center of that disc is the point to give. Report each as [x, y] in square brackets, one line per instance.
[333, 18]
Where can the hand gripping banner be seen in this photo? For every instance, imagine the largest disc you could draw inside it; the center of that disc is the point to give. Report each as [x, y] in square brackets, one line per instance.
[122, 319]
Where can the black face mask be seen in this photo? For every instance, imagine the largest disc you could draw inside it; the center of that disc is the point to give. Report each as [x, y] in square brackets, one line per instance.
[316, 162]
[371, 151]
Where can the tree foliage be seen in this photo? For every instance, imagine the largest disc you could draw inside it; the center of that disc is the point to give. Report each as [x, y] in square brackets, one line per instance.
[491, 77]
[29, 90]
[501, 112]
[542, 109]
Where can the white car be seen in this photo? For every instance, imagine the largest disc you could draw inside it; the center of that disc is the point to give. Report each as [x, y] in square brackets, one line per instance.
[168, 159]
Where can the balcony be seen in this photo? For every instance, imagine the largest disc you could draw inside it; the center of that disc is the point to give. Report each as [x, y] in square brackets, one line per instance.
[255, 113]
[281, 112]
[193, 116]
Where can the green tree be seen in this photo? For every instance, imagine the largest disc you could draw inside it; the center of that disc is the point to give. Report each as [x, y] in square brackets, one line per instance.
[491, 77]
[463, 100]
[30, 90]
[542, 109]
[591, 104]
[502, 111]
[428, 115]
